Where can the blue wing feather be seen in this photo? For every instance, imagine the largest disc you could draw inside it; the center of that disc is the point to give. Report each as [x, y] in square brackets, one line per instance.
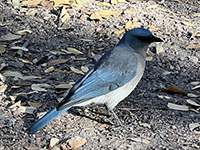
[106, 76]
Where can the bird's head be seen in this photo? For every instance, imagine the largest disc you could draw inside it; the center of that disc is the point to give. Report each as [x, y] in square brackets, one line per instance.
[139, 38]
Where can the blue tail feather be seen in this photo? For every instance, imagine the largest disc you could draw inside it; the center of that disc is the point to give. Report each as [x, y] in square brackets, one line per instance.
[48, 117]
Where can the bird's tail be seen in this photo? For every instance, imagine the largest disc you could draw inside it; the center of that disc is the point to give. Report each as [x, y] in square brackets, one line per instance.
[48, 117]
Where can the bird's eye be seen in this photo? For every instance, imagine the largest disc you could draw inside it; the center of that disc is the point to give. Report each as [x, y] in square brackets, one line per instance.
[144, 38]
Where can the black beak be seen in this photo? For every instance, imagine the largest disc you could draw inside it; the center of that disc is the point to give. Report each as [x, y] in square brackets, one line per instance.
[155, 39]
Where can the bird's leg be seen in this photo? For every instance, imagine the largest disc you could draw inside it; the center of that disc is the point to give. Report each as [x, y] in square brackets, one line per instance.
[117, 118]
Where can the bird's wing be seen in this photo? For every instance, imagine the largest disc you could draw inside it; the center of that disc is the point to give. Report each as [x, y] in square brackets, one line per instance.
[112, 71]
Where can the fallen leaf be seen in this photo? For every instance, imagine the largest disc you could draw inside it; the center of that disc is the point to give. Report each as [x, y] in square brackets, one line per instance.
[63, 86]
[73, 51]
[193, 46]
[40, 87]
[196, 87]
[18, 75]
[192, 95]
[64, 15]
[53, 142]
[178, 107]
[10, 37]
[113, 1]
[50, 69]
[117, 32]
[76, 142]
[28, 93]
[28, 110]
[23, 83]
[25, 61]
[159, 49]
[152, 28]
[141, 140]
[84, 68]
[20, 48]
[16, 4]
[195, 83]
[61, 2]
[104, 4]
[192, 126]
[2, 78]
[188, 24]
[17, 104]
[36, 104]
[31, 3]
[128, 25]
[191, 102]
[76, 70]
[3, 87]
[152, 6]
[104, 14]
[23, 32]
[57, 61]
[174, 90]
[2, 49]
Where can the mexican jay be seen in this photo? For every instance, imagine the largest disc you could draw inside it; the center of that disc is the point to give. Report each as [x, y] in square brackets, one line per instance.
[112, 78]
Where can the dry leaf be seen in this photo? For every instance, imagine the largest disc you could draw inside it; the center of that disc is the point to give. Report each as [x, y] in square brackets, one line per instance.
[188, 24]
[141, 140]
[76, 70]
[18, 75]
[63, 86]
[50, 69]
[104, 14]
[84, 68]
[10, 37]
[191, 102]
[53, 142]
[17, 104]
[178, 107]
[40, 87]
[31, 3]
[20, 48]
[113, 1]
[3, 87]
[104, 4]
[193, 46]
[174, 90]
[2, 78]
[28, 110]
[57, 61]
[76, 142]
[192, 126]
[23, 32]
[2, 49]
[128, 25]
[23, 83]
[64, 16]
[61, 2]
[159, 49]
[152, 28]
[117, 32]
[196, 87]
[23, 93]
[25, 61]
[36, 104]
[73, 51]
[16, 4]
[192, 95]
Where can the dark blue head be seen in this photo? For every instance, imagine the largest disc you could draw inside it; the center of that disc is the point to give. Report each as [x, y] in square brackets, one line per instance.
[139, 38]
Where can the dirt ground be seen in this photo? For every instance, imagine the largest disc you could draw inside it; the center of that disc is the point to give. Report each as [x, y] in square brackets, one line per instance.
[150, 123]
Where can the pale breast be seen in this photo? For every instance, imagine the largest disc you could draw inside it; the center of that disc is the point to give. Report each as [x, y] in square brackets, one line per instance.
[111, 99]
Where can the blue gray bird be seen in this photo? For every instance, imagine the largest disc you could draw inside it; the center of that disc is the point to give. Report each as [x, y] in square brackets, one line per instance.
[112, 78]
